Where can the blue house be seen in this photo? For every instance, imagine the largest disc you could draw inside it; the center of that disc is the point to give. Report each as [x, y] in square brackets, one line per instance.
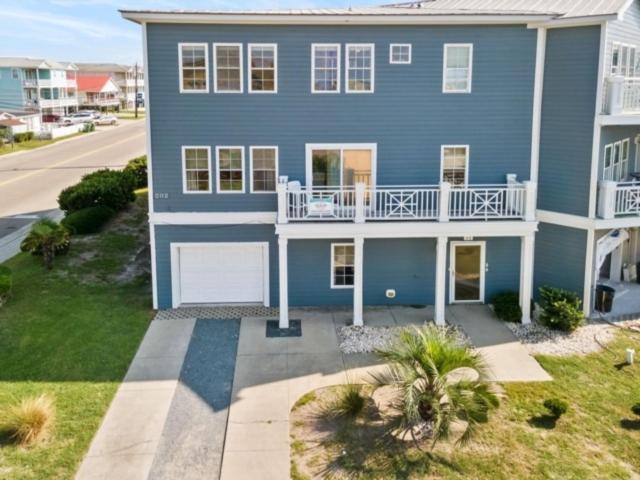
[410, 154]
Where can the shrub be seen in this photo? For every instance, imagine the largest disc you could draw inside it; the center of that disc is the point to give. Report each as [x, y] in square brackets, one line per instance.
[138, 168]
[560, 309]
[46, 238]
[507, 306]
[88, 127]
[636, 409]
[31, 421]
[556, 407]
[22, 137]
[109, 188]
[349, 401]
[6, 284]
[87, 220]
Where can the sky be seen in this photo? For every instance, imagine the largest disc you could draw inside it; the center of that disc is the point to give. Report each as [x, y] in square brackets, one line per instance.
[94, 31]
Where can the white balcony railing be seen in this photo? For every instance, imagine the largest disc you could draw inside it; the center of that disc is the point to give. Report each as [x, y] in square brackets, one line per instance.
[622, 95]
[618, 199]
[515, 201]
[58, 102]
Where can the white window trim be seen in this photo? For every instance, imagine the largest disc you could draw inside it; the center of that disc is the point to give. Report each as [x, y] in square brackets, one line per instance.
[332, 273]
[275, 68]
[251, 149]
[206, 66]
[466, 165]
[452, 269]
[396, 62]
[310, 147]
[346, 67]
[184, 170]
[313, 65]
[444, 68]
[215, 67]
[230, 192]
[618, 161]
[631, 61]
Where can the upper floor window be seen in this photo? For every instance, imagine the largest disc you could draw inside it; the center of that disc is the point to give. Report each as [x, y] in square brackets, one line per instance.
[194, 67]
[625, 60]
[400, 53]
[457, 66]
[230, 169]
[455, 161]
[14, 73]
[263, 68]
[325, 70]
[264, 169]
[196, 168]
[227, 67]
[616, 161]
[360, 68]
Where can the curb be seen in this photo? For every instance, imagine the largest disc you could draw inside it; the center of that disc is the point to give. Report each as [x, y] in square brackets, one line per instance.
[10, 244]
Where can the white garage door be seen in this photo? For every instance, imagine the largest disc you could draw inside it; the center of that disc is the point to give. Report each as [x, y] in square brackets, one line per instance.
[222, 273]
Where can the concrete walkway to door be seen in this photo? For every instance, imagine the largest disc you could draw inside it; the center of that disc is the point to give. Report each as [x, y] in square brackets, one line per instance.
[506, 358]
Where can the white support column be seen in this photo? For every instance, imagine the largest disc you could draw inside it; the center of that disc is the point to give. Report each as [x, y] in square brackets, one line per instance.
[445, 193]
[281, 189]
[441, 279]
[530, 195]
[615, 271]
[360, 194]
[616, 94]
[358, 261]
[526, 276]
[284, 282]
[607, 199]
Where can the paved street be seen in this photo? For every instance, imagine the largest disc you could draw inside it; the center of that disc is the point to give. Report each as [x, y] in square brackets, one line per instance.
[31, 181]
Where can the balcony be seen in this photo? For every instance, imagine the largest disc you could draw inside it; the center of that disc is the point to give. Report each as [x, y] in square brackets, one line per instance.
[618, 199]
[58, 102]
[622, 96]
[361, 203]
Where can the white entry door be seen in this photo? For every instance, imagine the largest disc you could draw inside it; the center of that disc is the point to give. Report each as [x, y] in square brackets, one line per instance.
[220, 273]
[467, 272]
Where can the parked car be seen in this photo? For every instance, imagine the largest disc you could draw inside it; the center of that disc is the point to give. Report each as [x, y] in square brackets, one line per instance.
[106, 120]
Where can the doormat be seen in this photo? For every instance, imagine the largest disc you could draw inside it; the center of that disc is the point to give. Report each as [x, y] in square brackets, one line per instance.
[274, 331]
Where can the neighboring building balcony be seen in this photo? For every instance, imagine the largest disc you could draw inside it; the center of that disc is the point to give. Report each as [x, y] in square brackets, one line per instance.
[438, 203]
[102, 101]
[58, 102]
[56, 83]
[618, 199]
[30, 83]
[622, 98]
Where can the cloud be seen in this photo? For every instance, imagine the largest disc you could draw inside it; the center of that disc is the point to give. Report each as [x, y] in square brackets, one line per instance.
[81, 26]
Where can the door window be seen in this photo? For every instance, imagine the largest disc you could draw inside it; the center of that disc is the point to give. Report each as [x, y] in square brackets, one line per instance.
[468, 273]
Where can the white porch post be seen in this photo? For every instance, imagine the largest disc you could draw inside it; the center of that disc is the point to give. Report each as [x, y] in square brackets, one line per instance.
[360, 194]
[445, 193]
[358, 261]
[441, 279]
[526, 276]
[281, 189]
[284, 282]
[607, 199]
[616, 94]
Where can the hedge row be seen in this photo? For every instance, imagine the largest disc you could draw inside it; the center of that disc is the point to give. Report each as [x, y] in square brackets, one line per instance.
[107, 188]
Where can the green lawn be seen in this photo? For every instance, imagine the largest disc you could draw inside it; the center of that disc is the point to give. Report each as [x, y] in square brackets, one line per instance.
[599, 438]
[31, 144]
[130, 114]
[72, 333]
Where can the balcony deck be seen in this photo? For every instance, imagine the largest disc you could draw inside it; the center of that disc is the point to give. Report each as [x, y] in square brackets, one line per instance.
[618, 199]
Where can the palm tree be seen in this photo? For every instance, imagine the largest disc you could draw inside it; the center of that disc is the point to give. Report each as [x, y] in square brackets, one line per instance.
[46, 238]
[438, 382]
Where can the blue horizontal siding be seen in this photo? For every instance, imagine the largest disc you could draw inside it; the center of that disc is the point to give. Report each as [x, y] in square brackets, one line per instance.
[408, 116]
[568, 111]
[560, 258]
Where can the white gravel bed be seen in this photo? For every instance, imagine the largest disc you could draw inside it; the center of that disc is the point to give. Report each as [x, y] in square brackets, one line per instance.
[539, 339]
[369, 339]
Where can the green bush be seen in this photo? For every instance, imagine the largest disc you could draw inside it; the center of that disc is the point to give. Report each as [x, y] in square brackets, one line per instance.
[507, 306]
[22, 137]
[87, 220]
[556, 407]
[6, 284]
[109, 188]
[88, 127]
[636, 409]
[561, 309]
[138, 168]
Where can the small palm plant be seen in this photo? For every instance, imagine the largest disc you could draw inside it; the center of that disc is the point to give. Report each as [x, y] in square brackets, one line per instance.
[437, 382]
[46, 238]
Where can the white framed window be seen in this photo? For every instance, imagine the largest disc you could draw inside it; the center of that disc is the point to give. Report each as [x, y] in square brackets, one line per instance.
[342, 265]
[264, 169]
[325, 68]
[227, 68]
[455, 164]
[230, 169]
[624, 60]
[193, 61]
[360, 71]
[616, 160]
[196, 169]
[457, 68]
[263, 67]
[400, 53]
[340, 164]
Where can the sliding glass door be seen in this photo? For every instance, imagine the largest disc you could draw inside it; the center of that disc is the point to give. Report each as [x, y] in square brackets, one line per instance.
[340, 167]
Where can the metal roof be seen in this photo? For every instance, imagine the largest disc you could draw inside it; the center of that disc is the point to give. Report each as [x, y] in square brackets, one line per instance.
[104, 67]
[26, 62]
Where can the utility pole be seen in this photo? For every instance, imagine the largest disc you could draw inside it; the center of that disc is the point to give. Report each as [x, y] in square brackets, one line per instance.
[135, 97]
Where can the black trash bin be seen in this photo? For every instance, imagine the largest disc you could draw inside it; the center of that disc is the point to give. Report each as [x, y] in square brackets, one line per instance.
[604, 298]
